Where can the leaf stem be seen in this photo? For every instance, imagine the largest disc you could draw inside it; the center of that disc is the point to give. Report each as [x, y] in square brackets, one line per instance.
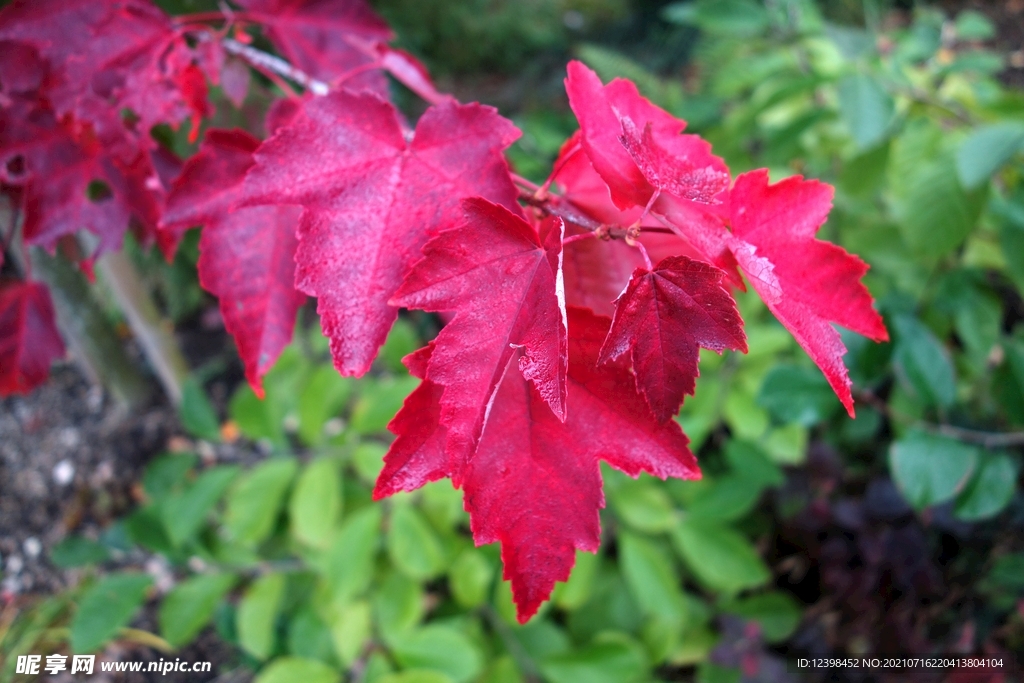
[579, 237]
[974, 436]
[266, 61]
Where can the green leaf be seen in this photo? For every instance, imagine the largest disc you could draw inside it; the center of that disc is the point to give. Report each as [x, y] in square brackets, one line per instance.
[309, 637]
[651, 576]
[402, 340]
[398, 605]
[368, 460]
[106, 607]
[777, 614]
[75, 551]
[503, 670]
[167, 473]
[610, 661]
[720, 557]
[349, 562]
[986, 149]
[413, 545]
[930, 469]
[190, 606]
[723, 17]
[294, 669]
[322, 398]
[254, 416]
[866, 108]
[796, 394]
[256, 618]
[748, 461]
[183, 513]
[416, 676]
[254, 502]
[379, 402]
[925, 364]
[935, 214]
[439, 648]
[990, 489]
[316, 502]
[470, 578]
[973, 25]
[577, 590]
[643, 505]
[197, 414]
[351, 628]
[724, 499]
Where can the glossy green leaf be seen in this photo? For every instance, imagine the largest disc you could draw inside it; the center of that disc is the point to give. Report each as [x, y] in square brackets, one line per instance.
[256, 618]
[379, 402]
[725, 17]
[777, 614]
[990, 489]
[105, 607]
[398, 604]
[750, 462]
[75, 551]
[315, 505]
[166, 473]
[322, 398]
[294, 669]
[643, 505]
[183, 513]
[349, 561]
[986, 149]
[724, 499]
[351, 628]
[866, 108]
[439, 648]
[609, 661]
[197, 414]
[401, 341]
[719, 557]
[254, 502]
[309, 637]
[190, 606]
[413, 546]
[651, 576]
[470, 578]
[931, 469]
[416, 676]
[797, 394]
[924, 362]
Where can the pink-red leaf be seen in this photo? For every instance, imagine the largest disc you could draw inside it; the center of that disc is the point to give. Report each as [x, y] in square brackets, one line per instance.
[663, 318]
[29, 340]
[372, 199]
[534, 484]
[246, 256]
[504, 283]
[681, 165]
[600, 110]
[311, 34]
[805, 282]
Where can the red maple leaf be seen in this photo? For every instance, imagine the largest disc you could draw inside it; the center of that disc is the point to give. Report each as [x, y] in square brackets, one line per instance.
[416, 456]
[311, 34]
[662, 319]
[58, 170]
[29, 340]
[534, 484]
[372, 198]
[805, 282]
[601, 109]
[503, 281]
[105, 56]
[246, 256]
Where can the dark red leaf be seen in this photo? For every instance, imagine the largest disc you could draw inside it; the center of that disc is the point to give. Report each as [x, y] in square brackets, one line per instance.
[71, 181]
[311, 34]
[29, 340]
[805, 282]
[372, 199]
[504, 283]
[246, 255]
[663, 318]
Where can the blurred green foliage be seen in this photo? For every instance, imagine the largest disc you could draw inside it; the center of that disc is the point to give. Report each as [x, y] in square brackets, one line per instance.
[291, 561]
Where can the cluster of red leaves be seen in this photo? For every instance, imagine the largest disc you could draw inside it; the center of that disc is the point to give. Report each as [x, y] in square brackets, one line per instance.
[562, 348]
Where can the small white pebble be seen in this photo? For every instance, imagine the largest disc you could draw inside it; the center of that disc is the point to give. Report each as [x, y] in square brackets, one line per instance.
[291, 423]
[32, 546]
[573, 20]
[196, 564]
[334, 426]
[15, 564]
[160, 570]
[69, 437]
[206, 452]
[63, 473]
